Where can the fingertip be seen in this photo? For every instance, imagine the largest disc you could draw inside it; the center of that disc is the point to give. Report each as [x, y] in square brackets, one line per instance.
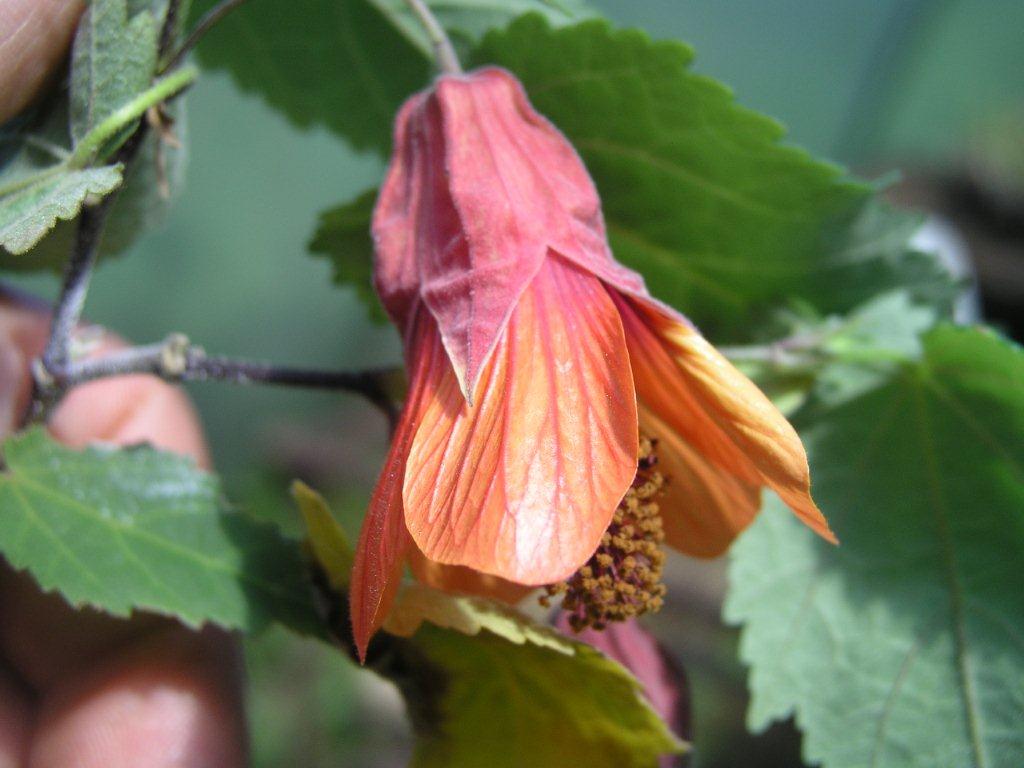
[128, 410]
[174, 700]
[34, 38]
[15, 721]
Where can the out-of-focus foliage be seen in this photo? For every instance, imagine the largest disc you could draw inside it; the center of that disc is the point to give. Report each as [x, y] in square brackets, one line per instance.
[54, 158]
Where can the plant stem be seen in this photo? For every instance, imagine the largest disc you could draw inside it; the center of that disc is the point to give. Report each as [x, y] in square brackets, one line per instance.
[163, 89]
[204, 25]
[77, 274]
[176, 360]
[444, 51]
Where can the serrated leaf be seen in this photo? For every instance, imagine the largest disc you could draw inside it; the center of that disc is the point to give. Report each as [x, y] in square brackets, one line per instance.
[699, 194]
[336, 63]
[509, 692]
[113, 59]
[138, 528]
[343, 236]
[30, 211]
[505, 704]
[344, 64]
[902, 647]
[140, 205]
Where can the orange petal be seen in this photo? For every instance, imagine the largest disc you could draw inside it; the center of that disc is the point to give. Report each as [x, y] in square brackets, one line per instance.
[716, 410]
[704, 507]
[384, 540]
[523, 484]
[460, 579]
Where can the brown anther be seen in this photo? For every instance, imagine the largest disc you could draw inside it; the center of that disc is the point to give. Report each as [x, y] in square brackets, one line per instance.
[623, 577]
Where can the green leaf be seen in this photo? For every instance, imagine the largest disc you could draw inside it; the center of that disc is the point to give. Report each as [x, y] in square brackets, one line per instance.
[34, 203]
[141, 529]
[490, 687]
[343, 236]
[141, 204]
[699, 194]
[901, 647]
[39, 140]
[113, 59]
[512, 705]
[329, 544]
[345, 64]
[870, 344]
[336, 63]
[472, 18]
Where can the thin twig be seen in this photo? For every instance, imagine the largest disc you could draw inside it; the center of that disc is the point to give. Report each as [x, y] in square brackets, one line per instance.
[444, 51]
[204, 25]
[175, 360]
[77, 274]
[82, 259]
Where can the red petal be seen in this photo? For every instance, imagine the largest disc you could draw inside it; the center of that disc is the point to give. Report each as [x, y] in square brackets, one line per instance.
[384, 540]
[479, 189]
[523, 484]
[396, 273]
[718, 413]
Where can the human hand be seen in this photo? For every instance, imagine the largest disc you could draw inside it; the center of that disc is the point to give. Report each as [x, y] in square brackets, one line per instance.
[79, 688]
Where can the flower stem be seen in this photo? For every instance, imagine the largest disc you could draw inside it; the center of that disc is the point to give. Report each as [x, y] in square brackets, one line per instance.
[444, 51]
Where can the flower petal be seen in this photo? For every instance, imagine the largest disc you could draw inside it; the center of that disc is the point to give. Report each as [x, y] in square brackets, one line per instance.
[384, 540]
[479, 189]
[523, 483]
[715, 409]
[396, 274]
[703, 507]
[463, 580]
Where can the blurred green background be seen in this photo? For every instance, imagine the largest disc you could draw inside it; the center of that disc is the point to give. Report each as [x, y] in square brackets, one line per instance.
[875, 85]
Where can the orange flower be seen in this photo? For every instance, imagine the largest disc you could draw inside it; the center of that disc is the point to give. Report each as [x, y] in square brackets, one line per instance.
[534, 361]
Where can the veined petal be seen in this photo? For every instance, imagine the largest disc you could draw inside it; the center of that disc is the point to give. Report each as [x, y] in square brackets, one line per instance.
[715, 409]
[460, 579]
[383, 539]
[523, 483]
[703, 506]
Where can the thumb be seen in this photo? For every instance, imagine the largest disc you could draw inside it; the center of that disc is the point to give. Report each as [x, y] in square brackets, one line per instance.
[122, 410]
